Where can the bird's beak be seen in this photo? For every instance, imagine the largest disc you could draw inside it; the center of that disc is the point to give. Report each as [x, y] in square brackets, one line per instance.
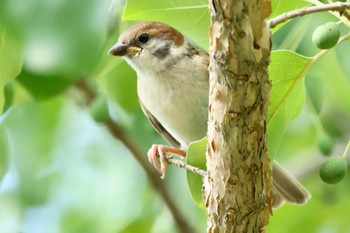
[120, 49]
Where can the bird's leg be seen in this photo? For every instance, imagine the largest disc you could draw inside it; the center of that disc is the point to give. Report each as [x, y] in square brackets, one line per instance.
[160, 151]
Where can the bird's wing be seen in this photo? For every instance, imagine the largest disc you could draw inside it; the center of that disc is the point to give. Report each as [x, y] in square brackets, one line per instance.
[159, 127]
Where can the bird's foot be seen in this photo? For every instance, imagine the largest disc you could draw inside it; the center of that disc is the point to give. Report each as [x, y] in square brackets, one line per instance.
[162, 152]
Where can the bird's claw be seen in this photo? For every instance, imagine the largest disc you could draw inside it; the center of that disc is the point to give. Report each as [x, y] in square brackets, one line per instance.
[155, 152]
[161, 152]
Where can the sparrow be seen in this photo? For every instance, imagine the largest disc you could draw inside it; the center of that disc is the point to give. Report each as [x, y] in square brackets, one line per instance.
[173, 90]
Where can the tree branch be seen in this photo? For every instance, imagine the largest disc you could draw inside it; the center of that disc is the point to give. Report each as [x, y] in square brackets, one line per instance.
[186, 166]
[338, 6]
[119, 133]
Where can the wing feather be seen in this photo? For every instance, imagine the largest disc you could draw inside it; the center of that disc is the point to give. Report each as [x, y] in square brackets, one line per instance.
[159, 127]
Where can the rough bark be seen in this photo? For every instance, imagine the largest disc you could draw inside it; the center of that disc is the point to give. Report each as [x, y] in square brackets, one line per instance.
[237, 187]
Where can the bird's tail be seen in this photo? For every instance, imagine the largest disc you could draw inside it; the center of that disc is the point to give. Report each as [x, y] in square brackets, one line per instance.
[287, 188]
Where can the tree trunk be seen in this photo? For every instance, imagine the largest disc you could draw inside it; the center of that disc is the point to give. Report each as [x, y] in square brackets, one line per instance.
[237, 187]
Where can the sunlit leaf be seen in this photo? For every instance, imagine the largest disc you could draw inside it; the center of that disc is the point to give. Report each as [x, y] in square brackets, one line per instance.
[10, 66]
[190, 17]
[286, 71]
[275, 131]
[196, 157]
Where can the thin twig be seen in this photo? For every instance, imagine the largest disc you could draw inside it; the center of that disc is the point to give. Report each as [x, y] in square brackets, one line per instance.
[338, 6]
[345, 13]
[119, 133]
[186, 166]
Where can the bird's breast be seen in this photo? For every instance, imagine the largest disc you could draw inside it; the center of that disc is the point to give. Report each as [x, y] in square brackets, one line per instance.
[179, 102]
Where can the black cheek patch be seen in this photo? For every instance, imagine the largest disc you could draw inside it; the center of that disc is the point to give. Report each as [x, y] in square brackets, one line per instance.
[162, 52]
[191, 51]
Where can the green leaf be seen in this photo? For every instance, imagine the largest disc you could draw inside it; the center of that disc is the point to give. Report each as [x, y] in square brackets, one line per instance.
[275, 131]
[58, 38]
[196, 157]
[287, 94]
[286, 71]
[189, 17]
[10, 66]
[43, 87]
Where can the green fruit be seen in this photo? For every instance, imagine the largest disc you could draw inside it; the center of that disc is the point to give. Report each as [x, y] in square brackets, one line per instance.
[325, 143]
[326, 36]
[99, 109]
[333, 170]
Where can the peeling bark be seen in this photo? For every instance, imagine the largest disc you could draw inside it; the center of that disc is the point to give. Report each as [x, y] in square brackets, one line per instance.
[237, 187]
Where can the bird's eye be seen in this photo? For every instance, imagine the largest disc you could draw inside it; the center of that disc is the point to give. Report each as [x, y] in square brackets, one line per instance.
[143, 38]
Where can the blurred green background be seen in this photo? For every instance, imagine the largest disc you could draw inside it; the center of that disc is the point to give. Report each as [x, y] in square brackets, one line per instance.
[61, 171]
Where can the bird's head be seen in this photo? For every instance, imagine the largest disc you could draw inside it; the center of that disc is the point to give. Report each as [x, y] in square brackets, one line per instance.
[148, 44]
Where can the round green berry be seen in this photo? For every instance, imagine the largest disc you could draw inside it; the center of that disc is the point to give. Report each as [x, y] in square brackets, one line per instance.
[325, 143]
[333, 170]
[326, 36]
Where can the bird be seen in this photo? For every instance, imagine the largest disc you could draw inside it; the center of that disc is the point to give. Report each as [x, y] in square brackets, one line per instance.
[173, 91]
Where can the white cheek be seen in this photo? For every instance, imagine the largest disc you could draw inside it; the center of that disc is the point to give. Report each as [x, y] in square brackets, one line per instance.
[138, 63]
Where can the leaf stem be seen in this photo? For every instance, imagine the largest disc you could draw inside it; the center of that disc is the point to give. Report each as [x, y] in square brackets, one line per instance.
[346, 150]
